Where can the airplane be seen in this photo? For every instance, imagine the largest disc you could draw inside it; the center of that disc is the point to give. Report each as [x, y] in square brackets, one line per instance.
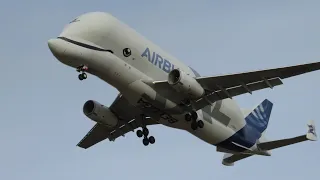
[155, 88]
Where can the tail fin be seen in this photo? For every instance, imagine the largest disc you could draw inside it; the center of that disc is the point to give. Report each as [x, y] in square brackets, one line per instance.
[256, 122]
[259, 117]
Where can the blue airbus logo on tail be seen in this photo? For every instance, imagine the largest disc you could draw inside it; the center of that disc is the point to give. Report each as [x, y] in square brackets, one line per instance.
[312, 130]
[158, 60]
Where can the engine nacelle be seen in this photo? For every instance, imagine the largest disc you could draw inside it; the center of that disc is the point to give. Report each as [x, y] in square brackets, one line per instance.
[99, 113]
[183, 83]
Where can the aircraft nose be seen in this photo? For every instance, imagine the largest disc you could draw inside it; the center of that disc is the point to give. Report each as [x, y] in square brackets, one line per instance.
[56, 47]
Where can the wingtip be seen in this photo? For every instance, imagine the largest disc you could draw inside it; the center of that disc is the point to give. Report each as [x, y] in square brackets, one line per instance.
[227, 164]
[311, 134]
[225, 161]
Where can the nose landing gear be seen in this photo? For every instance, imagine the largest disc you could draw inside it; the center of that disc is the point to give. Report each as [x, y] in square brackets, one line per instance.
[82, 69]
[82, 76]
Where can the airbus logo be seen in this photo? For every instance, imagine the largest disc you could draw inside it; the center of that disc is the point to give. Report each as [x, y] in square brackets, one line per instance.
[312, 130]
[158, 60]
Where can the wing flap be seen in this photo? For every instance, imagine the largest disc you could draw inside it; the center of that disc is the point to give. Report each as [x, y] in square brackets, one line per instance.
[97, 134]
[235, 91]
[100, 132]
[126, 114]
[232, 80]
[129, 126]
[230, 85]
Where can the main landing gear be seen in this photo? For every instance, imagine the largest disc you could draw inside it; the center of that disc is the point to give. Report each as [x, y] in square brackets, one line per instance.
[82, 69]
[145, 132]
[193, 116]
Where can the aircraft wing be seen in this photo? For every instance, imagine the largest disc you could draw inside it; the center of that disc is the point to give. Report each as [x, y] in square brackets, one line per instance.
[230, 159]
[228, 86]
[126, 114]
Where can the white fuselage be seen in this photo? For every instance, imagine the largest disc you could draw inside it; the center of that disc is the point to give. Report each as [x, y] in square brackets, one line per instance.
[97, 34]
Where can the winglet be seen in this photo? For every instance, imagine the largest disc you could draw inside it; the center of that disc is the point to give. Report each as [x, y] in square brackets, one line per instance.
[225, 159]
[311, 134]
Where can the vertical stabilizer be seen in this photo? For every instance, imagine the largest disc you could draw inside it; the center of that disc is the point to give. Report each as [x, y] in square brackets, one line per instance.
[256, 122]
[259, 117]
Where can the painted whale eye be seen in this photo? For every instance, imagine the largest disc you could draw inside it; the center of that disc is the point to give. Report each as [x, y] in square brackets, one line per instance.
[126, 52]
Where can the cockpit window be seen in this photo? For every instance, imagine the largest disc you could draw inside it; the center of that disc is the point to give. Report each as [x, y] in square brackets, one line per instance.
[75, 20]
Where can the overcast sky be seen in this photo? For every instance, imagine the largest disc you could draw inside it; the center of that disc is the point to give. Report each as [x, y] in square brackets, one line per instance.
[41, 99]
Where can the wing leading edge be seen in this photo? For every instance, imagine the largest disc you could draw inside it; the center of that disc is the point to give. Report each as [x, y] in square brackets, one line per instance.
[228, 86]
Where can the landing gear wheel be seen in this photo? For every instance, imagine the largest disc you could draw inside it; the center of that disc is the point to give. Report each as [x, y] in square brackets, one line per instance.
[194, 115]
[84, 75]
[139, 133]
[194, 125]
[80, 77]
[152, 140]
[191, 116]
[187, 117]
[200, 124]
[82, 69]
[145, 141]
[145, 132]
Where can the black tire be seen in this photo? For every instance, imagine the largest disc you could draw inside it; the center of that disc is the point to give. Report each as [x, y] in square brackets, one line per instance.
[145, 132]
[200, 124]
[187, 117]
[145, 141]
[194, 115]
[139, 133]
[80, 77]
[194, 125]
[152, 140]
[84, 75]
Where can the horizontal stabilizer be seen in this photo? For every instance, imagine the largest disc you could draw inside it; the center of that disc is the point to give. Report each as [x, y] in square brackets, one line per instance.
[230, 159]
[311, 135]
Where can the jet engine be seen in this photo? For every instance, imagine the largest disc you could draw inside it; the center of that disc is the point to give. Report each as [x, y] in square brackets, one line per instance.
[99, 113]
[183, 83]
